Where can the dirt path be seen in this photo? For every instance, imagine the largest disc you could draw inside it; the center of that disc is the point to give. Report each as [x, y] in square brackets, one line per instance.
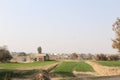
[104, 70]
[50, 67]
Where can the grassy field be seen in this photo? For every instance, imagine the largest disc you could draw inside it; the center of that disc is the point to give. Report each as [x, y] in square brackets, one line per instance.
[110, 63]
[24, 65]
[66, 68]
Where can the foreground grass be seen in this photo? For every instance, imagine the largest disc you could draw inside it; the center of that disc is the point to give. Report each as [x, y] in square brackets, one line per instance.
[110, 63]
[6, 74]
[24, 65]
[9, 70]
[66, 68]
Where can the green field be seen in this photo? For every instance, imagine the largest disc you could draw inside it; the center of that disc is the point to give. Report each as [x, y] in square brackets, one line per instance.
[66, 68]
[110, 63]
[84, 67]
[24, 65]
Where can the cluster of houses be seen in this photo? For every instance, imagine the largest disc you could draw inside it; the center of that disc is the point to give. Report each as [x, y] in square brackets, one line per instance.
[36, 57]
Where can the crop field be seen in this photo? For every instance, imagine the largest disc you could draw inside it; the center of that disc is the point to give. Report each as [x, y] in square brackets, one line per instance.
[24, 65]
[110, 63]
[66, 68]
[84, 67]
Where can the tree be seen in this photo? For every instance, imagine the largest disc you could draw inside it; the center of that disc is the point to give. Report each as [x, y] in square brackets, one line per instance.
[74, 56]
[101, 57]
[116, 29]
[4, 55]
[39, 50]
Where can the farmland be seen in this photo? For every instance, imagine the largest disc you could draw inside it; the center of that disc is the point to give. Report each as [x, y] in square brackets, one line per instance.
[110, 63]
[84, 67]
[24, 65]
[67, 68]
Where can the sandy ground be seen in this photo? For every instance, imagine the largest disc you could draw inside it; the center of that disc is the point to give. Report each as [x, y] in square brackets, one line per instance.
[84, 74]
[104, 70]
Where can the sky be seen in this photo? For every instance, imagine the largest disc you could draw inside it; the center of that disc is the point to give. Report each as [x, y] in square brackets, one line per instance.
[58, 26]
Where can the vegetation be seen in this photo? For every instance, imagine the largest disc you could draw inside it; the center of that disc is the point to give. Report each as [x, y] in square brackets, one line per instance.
[116, 29]
[74, 56]
[100, 57]
[24, 65]
[113, 57]
[84, 67]
[4, 55]
[11, 70]
[39, 50]
[110, 63]
[104, 57]
[6, 74]
[66, 68]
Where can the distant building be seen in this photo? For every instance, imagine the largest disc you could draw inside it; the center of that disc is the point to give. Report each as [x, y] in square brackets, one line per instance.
[41, 57]
[30, 58]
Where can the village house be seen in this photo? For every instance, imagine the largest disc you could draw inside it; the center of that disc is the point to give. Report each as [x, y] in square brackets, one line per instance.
[41, 57]
[30, 58]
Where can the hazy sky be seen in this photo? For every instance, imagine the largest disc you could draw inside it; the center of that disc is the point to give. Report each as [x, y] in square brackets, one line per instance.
[58, 26]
